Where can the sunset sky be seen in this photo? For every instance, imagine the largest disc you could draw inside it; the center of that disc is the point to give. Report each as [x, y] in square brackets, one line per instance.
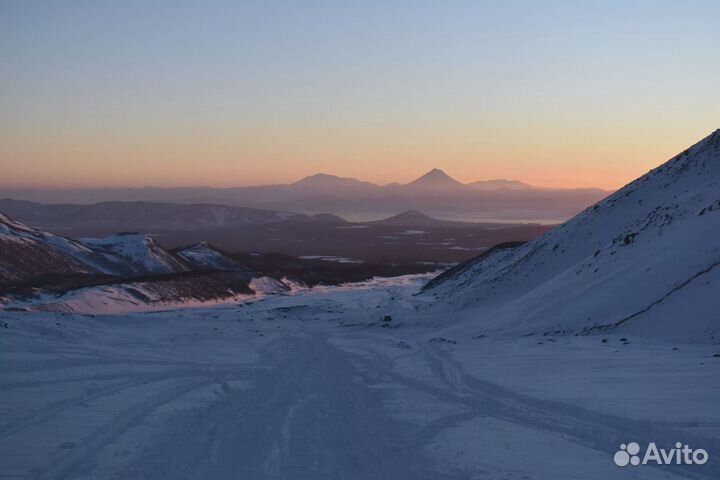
[223, 93]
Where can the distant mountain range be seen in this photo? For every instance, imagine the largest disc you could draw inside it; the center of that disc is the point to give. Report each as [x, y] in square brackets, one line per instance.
[147, 216]
[646, 259]
[155, 216]
[435, 193]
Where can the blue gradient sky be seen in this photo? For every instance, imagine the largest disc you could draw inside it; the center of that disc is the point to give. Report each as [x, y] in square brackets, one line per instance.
[558, 93]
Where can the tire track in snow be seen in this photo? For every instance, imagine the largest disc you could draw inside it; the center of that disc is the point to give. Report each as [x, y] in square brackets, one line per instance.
[592, 429]
[47, 412]
[81, 457]
[595, 430]
[312, 416]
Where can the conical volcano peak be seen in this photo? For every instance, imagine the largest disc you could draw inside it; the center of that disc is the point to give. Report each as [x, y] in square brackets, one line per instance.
[437, 174]
[435, 178]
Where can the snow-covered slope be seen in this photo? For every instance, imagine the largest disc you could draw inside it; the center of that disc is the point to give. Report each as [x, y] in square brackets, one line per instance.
[642, 259]
[26, 253]
[203, 256]
[30, 254]
[137, 252]
[146, 294]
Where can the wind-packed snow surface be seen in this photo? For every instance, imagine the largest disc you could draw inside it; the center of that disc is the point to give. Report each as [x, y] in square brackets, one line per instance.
[356, 382]
[644, 260]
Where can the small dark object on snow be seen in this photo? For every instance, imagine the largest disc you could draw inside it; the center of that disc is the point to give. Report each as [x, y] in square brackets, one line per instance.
[387, 319]
[629, 238]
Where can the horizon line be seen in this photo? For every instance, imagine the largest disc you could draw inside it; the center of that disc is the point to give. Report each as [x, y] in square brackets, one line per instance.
[340, 177]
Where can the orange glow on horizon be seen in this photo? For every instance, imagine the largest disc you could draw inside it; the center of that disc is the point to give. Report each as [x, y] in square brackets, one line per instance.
[192, 163]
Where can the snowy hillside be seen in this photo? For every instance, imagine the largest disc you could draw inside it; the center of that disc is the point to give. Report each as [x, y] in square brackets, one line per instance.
[26, 253]
[29, 254]
[645, 259]
[203, 256]
[138, 252]
[125, 272]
